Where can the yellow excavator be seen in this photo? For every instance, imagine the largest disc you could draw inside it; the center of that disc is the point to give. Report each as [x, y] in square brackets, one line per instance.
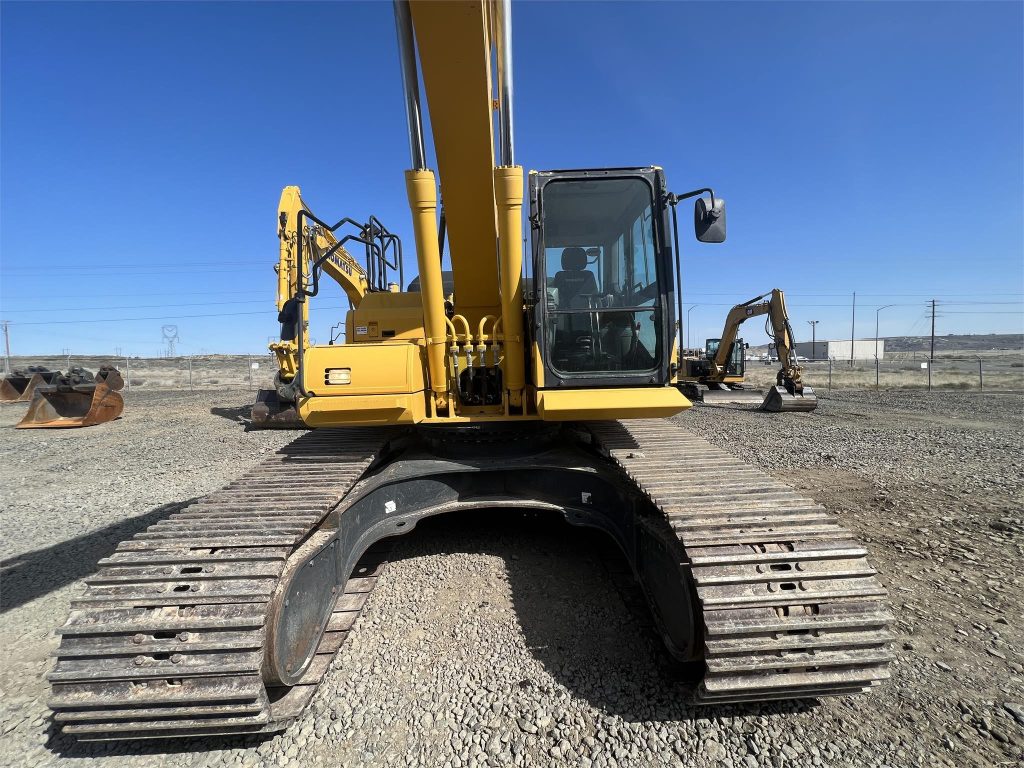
[718, 374]
[496, 394]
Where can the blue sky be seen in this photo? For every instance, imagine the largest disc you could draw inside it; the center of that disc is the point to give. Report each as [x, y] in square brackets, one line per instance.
[874, 147]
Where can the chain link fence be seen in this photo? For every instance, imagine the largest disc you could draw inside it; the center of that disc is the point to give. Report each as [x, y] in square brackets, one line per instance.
[996, 373]
[189, 373]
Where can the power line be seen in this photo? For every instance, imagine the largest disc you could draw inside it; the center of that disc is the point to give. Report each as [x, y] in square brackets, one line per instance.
[137, 294]
[156, 317]
[136, 265]
[88, 272]
[139, 306]
[263, 292]
[152, 317]
[984, 303]
[898, 295]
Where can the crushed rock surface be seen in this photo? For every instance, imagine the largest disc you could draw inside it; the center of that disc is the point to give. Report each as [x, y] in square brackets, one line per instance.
[502, 639]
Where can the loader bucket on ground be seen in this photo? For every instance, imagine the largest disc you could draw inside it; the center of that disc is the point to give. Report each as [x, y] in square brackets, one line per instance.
[269, 412]
[13, 387]
[18, 386]
[77, 405]
[779, 399]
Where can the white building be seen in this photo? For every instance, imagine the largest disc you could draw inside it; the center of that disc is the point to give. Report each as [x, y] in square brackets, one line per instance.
[863, 349]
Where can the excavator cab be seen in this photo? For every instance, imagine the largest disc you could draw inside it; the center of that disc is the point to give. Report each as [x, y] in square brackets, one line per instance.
[735, 364]
[602, 309]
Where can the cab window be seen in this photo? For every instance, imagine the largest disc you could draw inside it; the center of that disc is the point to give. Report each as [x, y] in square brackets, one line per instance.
[601, 282]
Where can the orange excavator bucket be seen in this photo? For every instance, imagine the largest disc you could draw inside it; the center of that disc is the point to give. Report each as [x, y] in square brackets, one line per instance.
[75, 400]
[18, 386]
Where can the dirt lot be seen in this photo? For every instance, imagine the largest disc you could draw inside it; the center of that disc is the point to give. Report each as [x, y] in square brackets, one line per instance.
[502, 640]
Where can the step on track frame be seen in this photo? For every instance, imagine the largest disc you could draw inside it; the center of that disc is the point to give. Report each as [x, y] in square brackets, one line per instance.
[790, 606]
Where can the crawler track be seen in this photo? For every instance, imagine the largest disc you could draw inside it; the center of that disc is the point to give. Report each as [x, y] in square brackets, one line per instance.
[173, 636]
[169, 639]
[789, 605]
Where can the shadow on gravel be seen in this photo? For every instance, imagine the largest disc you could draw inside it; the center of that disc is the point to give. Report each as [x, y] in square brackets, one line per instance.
[583, 616]
[238, 414]
[34, 574]
[66, 746]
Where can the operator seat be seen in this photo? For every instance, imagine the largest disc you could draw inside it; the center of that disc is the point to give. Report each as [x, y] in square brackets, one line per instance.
[575, 336]
[574, 279]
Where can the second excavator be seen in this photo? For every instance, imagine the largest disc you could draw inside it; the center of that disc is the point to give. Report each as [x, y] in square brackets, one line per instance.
[494, 393]
[718, 374]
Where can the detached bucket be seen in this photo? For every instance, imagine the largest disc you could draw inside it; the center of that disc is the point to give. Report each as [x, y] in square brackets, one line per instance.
[18, 386]
[60, 406]
[13, 387]
[269, 412]
[780, 400]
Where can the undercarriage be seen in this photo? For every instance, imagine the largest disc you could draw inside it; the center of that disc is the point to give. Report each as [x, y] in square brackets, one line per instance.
[224, 617]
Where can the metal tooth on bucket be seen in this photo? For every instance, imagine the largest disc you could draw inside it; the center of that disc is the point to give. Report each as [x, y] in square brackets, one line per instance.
[76, 400]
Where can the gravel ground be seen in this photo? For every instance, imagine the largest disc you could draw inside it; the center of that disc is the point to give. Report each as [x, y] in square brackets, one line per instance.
[502, 639]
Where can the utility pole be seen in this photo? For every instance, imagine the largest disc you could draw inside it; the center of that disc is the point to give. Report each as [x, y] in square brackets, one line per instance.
[931, 356]
[814, 328]
[7, 349]
[853, 325]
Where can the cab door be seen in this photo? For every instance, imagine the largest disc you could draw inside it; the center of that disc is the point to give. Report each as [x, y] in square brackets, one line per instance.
[602, 298]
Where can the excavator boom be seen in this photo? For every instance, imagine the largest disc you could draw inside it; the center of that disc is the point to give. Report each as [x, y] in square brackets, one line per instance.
[309, 248]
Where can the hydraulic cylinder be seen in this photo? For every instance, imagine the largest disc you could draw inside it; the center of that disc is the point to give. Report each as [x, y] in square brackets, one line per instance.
[508, 196]
[422, 190]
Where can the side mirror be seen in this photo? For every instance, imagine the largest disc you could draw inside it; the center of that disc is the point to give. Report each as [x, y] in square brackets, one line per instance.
[288, 317]
[709, 220]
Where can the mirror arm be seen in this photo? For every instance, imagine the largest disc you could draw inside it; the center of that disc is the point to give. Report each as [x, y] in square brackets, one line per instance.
[674, 199]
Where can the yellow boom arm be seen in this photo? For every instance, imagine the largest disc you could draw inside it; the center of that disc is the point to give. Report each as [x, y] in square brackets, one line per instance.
[340, 266]
[774, 305]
